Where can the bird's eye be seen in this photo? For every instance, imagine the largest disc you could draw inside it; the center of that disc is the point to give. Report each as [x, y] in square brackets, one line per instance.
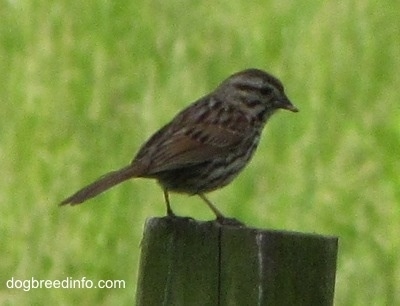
[266, 91]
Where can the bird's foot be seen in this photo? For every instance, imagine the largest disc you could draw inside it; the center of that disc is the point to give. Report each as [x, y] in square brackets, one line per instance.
[229, 221]
[172, 216]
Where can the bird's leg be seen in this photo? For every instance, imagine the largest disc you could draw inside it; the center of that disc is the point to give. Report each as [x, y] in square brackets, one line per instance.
[217, 213]
[170, 213]
[221, 219]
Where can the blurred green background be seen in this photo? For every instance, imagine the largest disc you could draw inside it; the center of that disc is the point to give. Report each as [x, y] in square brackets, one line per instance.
[84, 83]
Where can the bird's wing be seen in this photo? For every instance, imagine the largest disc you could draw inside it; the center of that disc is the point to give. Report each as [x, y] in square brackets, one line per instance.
[187, 146]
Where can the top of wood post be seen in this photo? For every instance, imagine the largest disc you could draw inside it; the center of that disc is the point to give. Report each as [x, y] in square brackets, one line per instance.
[189, 262]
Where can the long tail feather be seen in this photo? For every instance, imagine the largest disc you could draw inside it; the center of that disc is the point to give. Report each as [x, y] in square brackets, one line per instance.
[102, 184]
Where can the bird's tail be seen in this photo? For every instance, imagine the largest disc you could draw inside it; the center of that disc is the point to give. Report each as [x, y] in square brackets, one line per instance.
[102, 184]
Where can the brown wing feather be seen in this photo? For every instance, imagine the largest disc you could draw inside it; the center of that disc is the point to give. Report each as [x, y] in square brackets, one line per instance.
[188, 147]
[204, 143]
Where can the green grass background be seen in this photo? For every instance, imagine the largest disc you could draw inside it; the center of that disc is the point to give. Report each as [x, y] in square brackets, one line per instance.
[84, 83]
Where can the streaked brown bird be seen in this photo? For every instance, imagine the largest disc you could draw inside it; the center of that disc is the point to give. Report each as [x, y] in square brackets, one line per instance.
[207, 144]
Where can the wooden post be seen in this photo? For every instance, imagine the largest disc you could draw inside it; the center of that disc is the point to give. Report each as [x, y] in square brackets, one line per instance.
[187, 262]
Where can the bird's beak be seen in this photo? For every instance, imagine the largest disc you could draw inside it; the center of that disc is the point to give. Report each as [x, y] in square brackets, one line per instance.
[286, 104]
[290, 107]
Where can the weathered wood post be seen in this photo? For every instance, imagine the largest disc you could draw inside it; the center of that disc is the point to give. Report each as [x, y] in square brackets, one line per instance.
[187, 262]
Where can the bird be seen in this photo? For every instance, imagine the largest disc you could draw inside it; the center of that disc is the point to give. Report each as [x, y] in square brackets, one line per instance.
[207, 144]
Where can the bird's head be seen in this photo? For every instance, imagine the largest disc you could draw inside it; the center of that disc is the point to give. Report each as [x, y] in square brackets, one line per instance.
[255, 92]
